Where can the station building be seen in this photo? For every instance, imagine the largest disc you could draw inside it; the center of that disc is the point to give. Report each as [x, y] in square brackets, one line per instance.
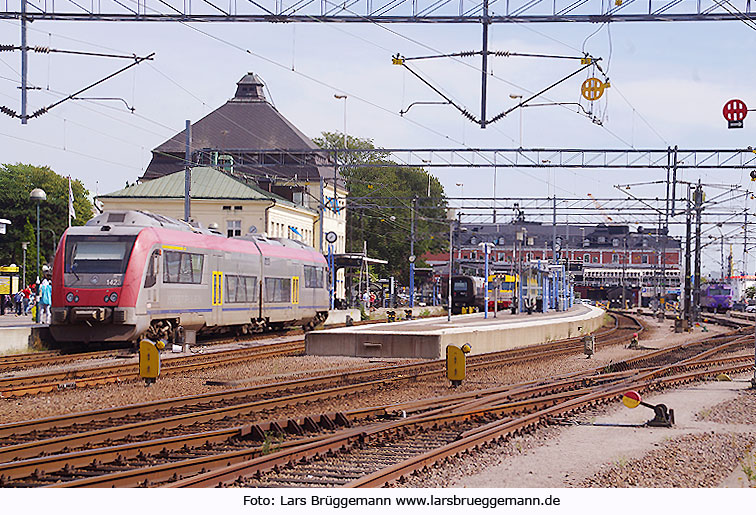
[252, 171]
[602, 259]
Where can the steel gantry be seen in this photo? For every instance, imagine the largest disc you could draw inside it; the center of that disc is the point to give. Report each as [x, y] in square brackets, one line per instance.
[379, 11]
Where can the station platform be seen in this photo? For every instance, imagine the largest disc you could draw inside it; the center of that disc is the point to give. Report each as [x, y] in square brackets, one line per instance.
[20, 333]
[428, 338]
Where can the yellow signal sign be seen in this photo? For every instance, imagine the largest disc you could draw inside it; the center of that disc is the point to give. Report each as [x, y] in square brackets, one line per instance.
[592, 89]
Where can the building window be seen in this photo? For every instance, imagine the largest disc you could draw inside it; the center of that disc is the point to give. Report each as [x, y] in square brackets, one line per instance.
[586, 258]
[586, 242]
[233, 228]
[238, 208]
[615, 258]
[601, 239]
[644, 259]
[595, 259]
[645, 242]
[226, 208]
[615, 242]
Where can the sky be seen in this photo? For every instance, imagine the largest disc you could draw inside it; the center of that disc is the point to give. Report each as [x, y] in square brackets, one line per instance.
[669, 82]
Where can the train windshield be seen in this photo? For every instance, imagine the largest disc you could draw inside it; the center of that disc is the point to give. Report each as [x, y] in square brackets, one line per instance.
[719, 291]
[459, 286]
[106, 255]
[507, 286]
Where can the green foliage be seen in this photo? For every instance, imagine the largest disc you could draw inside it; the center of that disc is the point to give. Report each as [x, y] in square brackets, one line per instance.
[271, 443]
[379, 207]
[750, 292]
[16, 182]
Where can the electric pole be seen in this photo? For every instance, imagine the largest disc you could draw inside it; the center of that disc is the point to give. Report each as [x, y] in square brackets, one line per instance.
[698, 199]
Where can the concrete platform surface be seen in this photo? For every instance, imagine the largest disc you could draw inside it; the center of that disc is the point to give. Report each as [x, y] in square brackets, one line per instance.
[428, 338]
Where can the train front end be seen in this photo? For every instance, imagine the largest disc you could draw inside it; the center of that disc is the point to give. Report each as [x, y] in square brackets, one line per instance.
[94, 289]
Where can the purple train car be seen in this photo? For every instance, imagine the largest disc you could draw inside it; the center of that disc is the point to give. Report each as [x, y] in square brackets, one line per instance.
[716, 297]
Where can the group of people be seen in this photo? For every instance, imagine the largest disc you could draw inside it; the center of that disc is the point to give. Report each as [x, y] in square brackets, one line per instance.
[23, 301]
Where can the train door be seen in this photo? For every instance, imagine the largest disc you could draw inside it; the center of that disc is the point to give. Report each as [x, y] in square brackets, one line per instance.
[216, 290]
[152, 279]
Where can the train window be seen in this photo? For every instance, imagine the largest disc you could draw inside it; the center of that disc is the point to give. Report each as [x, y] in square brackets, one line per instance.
[182, 267]
[98, 255]
[313, 277]
[151, 278]
[240, 288]
[277, 289]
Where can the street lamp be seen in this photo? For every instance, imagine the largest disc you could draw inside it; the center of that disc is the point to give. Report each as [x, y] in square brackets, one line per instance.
[38, 195]
[486, 250]
[461, 185]
[344, 98]
[24, 246]
[516, 97]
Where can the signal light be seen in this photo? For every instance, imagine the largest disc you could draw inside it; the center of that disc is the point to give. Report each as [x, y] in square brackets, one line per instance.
[753, 175]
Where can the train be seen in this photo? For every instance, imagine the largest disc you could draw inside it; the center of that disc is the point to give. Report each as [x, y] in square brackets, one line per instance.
[716, 297]
[128, 275]
[469, 292]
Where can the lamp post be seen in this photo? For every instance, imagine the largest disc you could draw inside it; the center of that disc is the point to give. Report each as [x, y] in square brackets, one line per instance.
[38, 195]
[24, 246]
[412, 256]
[519, 237]
[344, 98]
[486, 250]
[518, 97]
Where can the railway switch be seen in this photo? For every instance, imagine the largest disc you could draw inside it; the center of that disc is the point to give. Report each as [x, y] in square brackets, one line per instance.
[455, 363]
[663, 416]
[149, 360]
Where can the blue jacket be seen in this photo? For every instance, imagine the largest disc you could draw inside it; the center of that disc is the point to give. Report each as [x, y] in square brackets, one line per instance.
[45, 294]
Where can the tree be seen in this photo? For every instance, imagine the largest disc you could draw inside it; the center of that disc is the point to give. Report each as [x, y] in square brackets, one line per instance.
[379, 206]
[750, 292]
[16, 182]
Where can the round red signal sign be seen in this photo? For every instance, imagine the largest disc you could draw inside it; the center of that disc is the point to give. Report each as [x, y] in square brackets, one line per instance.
[631, 399]
[734, 110]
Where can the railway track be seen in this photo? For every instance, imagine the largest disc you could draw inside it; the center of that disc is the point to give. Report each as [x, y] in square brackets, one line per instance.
[164, 458]
[43, 382]
[357, 448]
[242, 396]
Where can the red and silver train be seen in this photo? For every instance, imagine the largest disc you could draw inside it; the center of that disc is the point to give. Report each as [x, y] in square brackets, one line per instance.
[132, 274]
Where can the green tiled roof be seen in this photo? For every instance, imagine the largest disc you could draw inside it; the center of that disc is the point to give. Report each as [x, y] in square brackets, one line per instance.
[207, 183]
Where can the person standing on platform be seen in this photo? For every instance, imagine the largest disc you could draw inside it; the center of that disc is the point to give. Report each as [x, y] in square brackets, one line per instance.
[26, 300]
[45, 298]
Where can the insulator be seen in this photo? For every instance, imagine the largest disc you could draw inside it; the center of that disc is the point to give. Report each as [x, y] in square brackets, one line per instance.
[502, 53]
[8, 111]
[467, 53]
[38, 112]
[7, 48]
[41, 49]
[468, 115]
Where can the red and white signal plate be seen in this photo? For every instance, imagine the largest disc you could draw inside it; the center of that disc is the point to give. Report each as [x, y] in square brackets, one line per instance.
[735, 111]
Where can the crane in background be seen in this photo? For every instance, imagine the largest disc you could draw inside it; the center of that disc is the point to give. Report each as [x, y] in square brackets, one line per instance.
[598, 205]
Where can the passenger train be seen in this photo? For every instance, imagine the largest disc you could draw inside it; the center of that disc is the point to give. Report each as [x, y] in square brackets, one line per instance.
[469, 291]
[132, 274]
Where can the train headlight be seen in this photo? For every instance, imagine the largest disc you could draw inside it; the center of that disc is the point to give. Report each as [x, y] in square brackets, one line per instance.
[69, 297]
[113, 297]
[76, 298]
[106, 298]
